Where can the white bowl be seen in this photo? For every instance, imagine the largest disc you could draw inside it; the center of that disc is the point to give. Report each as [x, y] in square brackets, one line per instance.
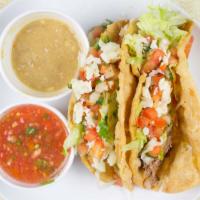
[2, 197]
[63, 168]
[6, 42]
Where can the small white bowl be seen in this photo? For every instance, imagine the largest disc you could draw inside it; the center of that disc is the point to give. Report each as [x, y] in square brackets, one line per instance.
[2, 197]
[63, 168]
[6, 42]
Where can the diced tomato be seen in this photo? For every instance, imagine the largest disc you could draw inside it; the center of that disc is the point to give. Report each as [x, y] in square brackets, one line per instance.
[103, 69]
[153, 60]
[155, 132]
[156, 79]
[82, 74]
[163, 67]
[94, 52]
[142, 122]
[96, 32]
[156, 150]
[189, 46]
[91, 134]
[94, 108]
[82, 149]
[98, 149]
[160, 123]
[150, 113]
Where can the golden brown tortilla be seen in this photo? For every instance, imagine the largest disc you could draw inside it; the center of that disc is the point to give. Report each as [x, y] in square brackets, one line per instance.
[184, 172]
[127, 85]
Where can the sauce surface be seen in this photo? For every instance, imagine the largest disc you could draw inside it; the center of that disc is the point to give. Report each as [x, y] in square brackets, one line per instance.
[31, 144]
[45, 55]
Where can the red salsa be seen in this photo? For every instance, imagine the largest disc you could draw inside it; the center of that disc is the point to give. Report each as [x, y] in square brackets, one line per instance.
[31, 144]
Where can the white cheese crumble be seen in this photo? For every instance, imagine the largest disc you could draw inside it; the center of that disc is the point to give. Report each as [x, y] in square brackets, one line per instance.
[102, 78]
[92, 71]
[154, 44]
[110, 84]
[91, 59]
[112, 159]
[109, 73]
[78, 113]
[80, 87]
[94, 97]
[110, 51]
[88, 118]
[146, 131]
[162, 106]
[101, 87]
[99, 165]
[146, 96]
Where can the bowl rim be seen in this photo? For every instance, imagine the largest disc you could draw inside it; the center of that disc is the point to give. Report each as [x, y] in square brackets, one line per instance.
[3, 196]
[71, 20]
[66, 165]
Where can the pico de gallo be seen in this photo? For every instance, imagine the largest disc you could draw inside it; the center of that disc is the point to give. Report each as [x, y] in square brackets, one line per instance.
[95, 109]
[32, 139]
[153, 56]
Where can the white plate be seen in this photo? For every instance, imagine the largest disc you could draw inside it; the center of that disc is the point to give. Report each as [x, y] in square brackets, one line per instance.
[79, 183]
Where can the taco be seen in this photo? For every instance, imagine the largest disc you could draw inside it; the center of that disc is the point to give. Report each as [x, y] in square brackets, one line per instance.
[93, 107]
[158, 151]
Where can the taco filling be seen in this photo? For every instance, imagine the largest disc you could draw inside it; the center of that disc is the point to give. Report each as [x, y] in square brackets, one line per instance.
[153, 54]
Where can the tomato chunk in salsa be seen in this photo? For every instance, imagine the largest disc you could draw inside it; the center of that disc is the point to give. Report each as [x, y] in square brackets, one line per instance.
[31, 144]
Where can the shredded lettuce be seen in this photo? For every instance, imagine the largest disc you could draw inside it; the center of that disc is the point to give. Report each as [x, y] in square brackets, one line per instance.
[74, 138]
[162, 23]
[135, 43]
[136, 61]
[138, 144]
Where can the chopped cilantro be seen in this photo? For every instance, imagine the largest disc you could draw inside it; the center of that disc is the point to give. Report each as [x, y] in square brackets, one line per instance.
[105, 38]
[96, 45]
[18, 142]
[69, 85]
[98, 81]
[100, 101]
[46, 116]
[169, 74]
[42, 164]
[106, 23]
[31, 131]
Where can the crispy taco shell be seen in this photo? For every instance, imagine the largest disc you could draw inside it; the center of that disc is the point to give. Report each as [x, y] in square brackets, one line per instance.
[111, 173]
[127, 85]
[180, 168]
